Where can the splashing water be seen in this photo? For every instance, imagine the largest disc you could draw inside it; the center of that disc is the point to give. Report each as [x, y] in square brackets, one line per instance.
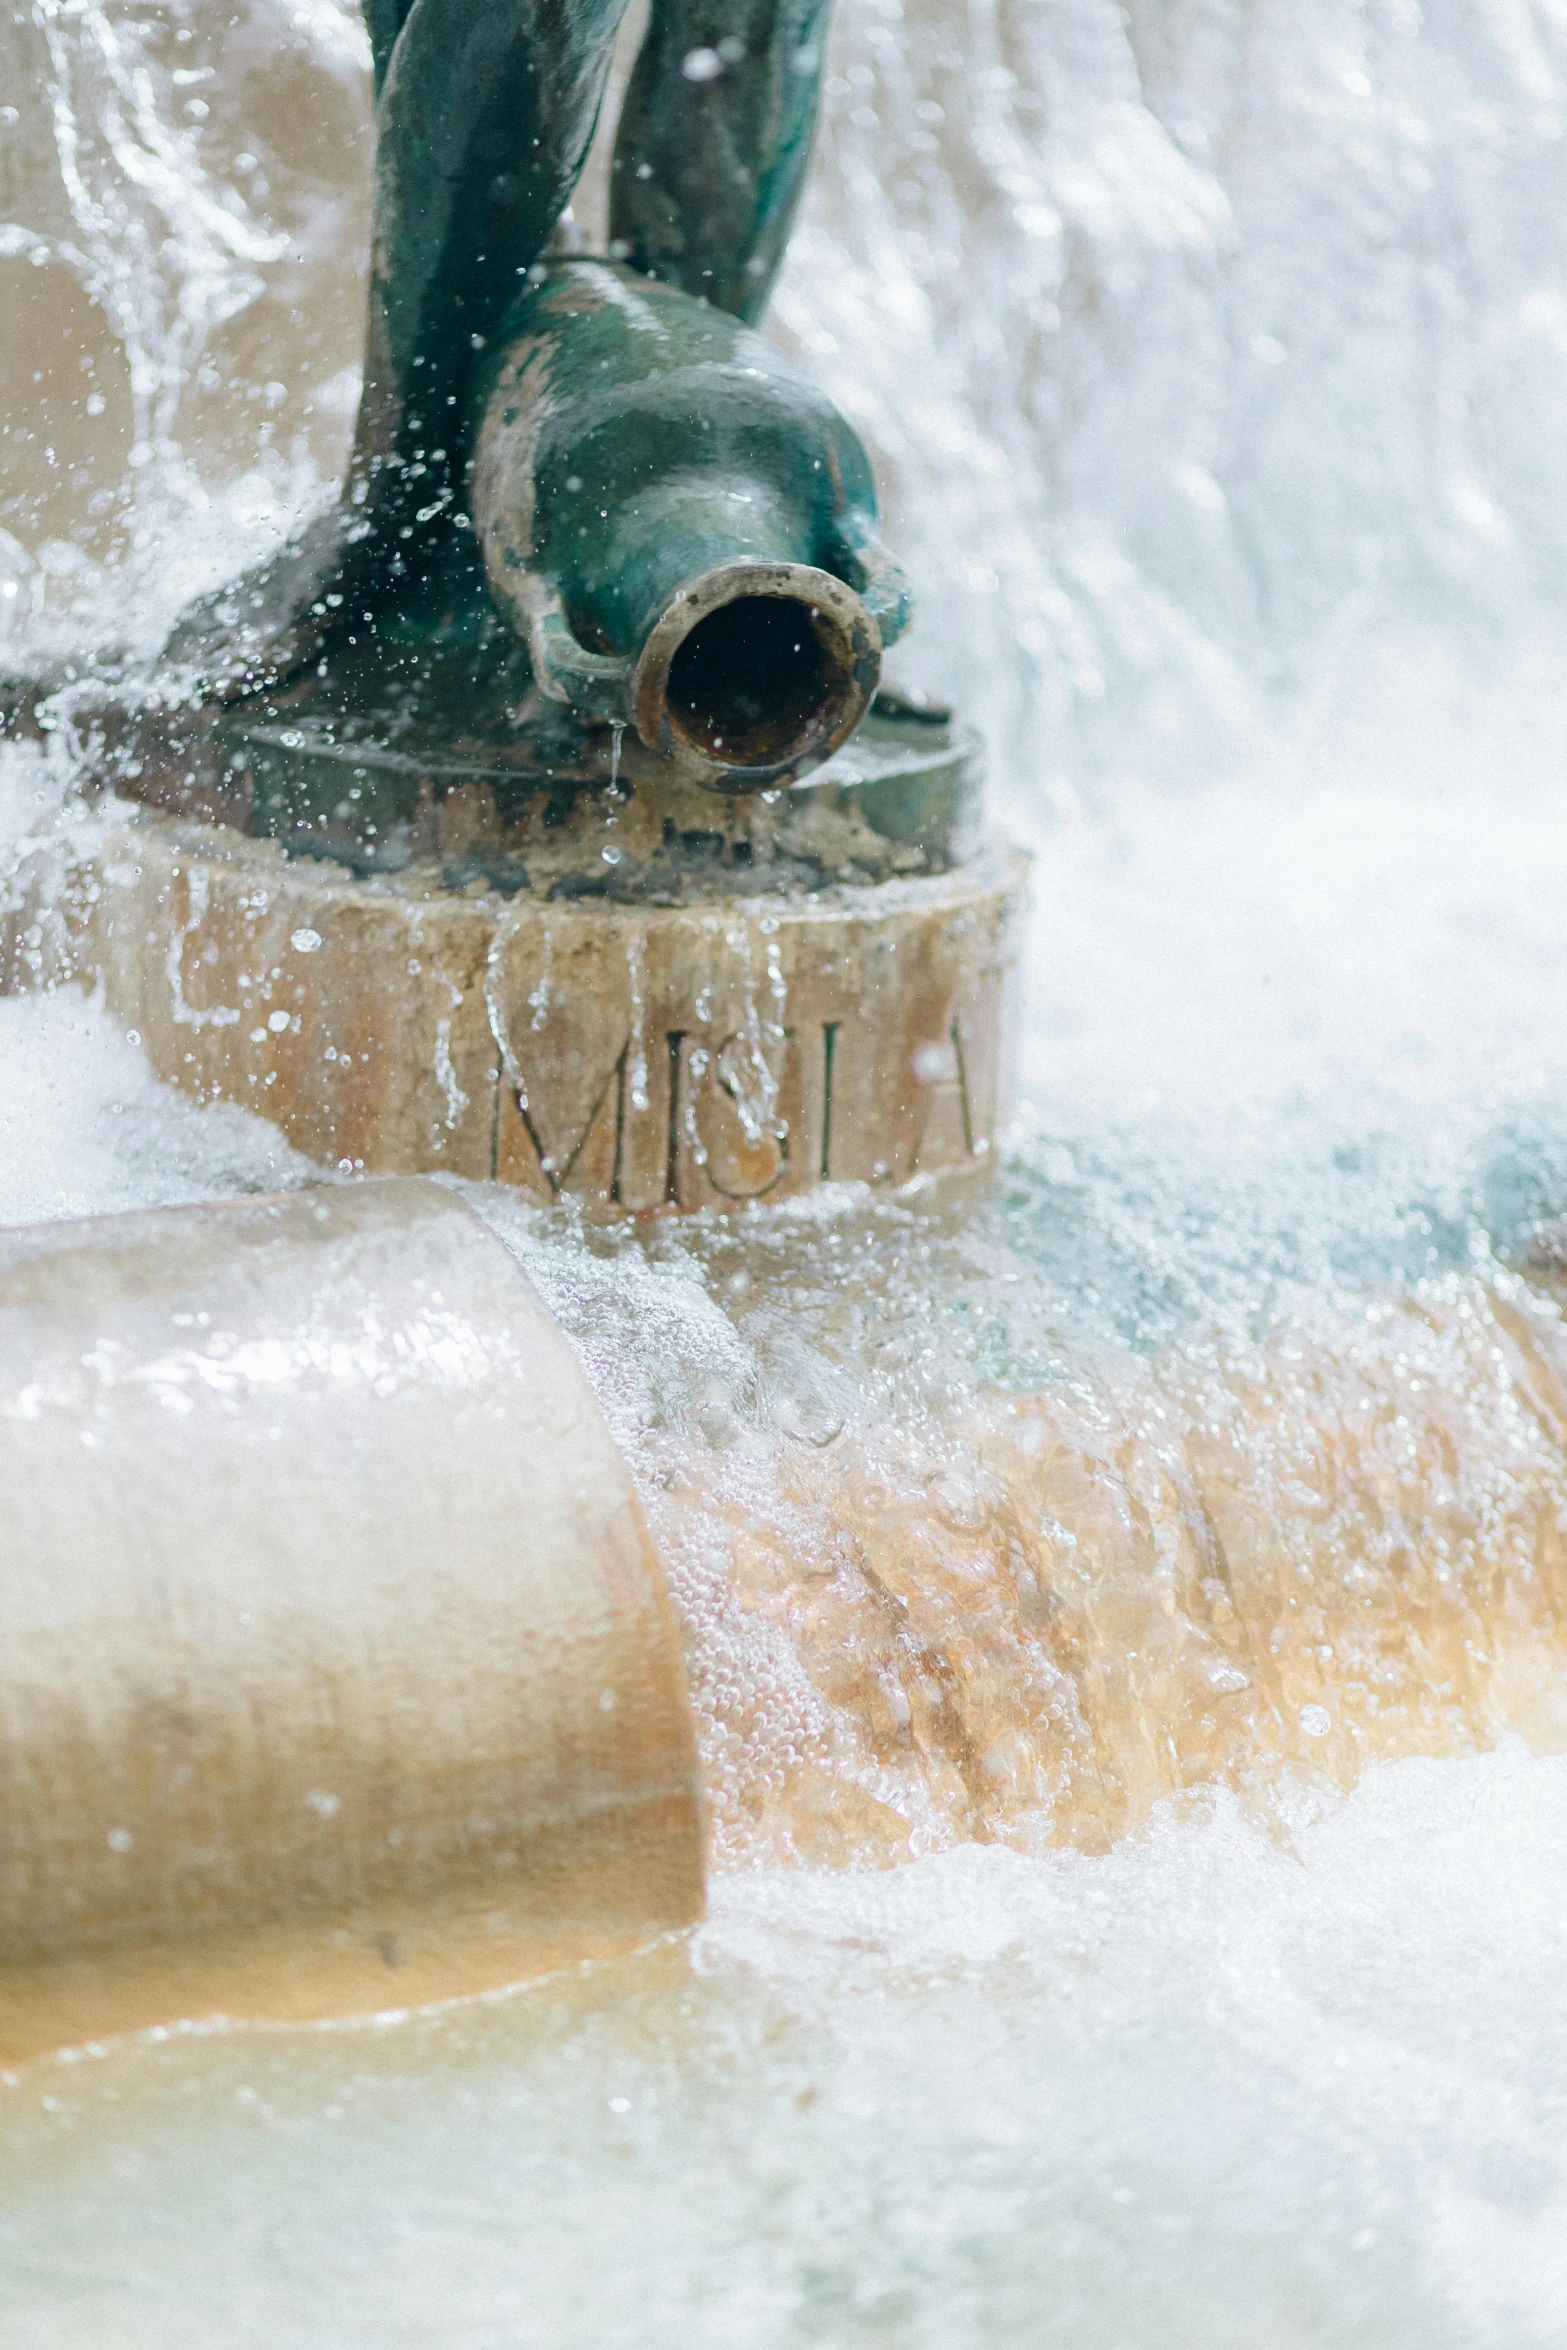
[152, 236]
[1158, 1561]
[1238, 333]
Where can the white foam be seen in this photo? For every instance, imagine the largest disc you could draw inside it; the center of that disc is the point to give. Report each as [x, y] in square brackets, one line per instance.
[85, 1130]
[1208, 2087]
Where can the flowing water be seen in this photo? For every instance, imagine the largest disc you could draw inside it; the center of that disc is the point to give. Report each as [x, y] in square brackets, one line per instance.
[1128, 1619]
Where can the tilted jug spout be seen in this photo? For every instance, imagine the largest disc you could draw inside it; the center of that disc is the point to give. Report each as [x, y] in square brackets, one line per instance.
[681, 527]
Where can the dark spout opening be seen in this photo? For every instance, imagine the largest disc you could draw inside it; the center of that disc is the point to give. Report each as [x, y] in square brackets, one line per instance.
[748, 684]
[754, 670]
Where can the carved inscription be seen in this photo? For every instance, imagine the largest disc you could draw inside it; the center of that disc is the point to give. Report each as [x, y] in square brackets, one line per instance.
[638, 1060]
[843, 1063]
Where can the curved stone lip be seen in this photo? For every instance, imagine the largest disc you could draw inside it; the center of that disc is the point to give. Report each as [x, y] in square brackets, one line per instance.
[219, 1808]
[845, 629]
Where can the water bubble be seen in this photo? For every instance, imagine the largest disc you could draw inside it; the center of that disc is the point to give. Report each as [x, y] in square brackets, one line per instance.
[934, 1062]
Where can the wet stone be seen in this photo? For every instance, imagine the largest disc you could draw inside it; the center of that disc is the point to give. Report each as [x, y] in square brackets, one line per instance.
[637, 1057]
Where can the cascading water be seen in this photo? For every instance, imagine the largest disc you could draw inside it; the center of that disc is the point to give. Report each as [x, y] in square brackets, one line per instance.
[1097, 1551]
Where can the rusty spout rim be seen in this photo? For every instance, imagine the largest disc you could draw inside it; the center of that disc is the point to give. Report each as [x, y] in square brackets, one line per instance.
[831, 676]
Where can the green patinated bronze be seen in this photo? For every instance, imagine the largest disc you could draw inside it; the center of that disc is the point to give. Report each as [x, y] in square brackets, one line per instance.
[714, 140]
[581, 488]
[671, 516]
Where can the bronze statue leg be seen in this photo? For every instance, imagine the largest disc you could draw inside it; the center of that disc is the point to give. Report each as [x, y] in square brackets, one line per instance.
[483, 120]
[715, 137]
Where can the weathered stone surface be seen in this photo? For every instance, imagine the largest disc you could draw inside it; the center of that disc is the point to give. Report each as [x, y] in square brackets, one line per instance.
[637, 1058]
[353, 1018]
[337, 1668]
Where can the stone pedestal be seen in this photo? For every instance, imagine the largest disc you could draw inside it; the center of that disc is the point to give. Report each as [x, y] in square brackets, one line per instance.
[638, 1056]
